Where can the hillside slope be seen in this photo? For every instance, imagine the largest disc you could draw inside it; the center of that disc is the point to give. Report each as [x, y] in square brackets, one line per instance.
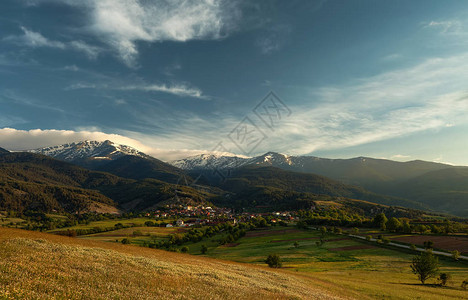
[36, 265]
[36, 182]
[444, 190]
[267, 182]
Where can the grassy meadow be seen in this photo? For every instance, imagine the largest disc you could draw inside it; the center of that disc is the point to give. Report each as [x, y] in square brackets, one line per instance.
[42, 266]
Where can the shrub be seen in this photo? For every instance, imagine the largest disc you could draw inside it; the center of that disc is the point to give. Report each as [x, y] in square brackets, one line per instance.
[273, 261]
[149, 223]
[203, 249]
[369, 238]
[184, 249]
[425, 265]
[125, 241]
[444, 278]
[455, 254]
[137, 233]
[296, 244]
[413, 247]
[428, 244]
[464, 284]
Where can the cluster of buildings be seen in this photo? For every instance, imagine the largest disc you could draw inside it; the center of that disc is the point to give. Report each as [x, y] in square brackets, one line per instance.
[188, 215]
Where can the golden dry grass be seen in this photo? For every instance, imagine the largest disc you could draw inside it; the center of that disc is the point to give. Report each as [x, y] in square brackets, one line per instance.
[42, 266]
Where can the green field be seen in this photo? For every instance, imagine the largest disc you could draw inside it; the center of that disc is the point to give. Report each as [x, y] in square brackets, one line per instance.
[148, 234]
[134, 222]
[375, 271]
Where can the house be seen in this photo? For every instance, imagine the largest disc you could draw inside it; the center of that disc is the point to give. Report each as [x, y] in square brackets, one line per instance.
[169, 225]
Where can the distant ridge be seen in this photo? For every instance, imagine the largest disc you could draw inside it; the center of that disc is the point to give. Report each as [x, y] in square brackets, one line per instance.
[4, 151]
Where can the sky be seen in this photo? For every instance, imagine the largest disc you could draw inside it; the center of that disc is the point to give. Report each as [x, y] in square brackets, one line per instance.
[336, 78]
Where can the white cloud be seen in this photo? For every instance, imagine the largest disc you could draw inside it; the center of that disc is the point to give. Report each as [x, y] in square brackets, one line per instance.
[13, 139]
[35, 40]
[177, 89]
[91, 51]
[122, 23]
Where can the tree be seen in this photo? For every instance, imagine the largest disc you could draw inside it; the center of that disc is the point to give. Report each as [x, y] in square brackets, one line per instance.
[125, 241]
[428, 244]
[204, 249]
[393, 224]
[456, 254]
[273, 261]
[296, 244]
[444, 278]
[425, 265]
[184, 249]
[380, 221]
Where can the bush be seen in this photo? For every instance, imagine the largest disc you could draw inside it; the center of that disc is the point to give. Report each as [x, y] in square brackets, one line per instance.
[296, 244]
[444, 278]
[184, 249]
[203, 249]
[137, 233]
[125, 241]
[413, 247]
[149, 223]
[425, 265]
[428, 244]
[464, 284]
[273, 261]
[455, 254]
[369, 238]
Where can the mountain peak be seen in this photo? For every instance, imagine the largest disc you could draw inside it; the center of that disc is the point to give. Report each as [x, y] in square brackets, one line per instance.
[3, 151]
[89, 150]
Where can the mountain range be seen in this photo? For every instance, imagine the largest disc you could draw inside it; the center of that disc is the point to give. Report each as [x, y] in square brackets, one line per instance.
[130, 179]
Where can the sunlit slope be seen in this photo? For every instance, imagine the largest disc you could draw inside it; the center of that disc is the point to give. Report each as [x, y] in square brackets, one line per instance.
[36, 265]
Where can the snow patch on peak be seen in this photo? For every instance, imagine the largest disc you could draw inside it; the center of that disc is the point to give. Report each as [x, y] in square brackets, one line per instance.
[98, 150]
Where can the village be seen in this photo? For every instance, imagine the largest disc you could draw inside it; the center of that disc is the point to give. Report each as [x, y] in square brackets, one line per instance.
[188, 215]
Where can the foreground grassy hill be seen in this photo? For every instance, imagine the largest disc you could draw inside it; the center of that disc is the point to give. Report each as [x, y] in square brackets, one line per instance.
[35, 265]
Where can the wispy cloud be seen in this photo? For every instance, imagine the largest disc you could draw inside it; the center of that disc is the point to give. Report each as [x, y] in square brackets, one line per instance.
[178, 89]
[122, 23]
[273, 39]
[429, 96]
[34, 39]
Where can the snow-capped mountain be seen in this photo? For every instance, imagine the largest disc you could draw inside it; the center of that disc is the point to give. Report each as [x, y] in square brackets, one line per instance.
[89, 150]
[210, 161]
[363, 171]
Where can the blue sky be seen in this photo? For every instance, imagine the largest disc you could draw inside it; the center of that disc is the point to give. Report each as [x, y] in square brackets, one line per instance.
[177, 78]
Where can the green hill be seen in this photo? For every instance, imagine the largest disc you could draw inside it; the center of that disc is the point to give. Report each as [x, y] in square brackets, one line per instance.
[295, 187]
[135, 167]
[36, 182]
[443, 190]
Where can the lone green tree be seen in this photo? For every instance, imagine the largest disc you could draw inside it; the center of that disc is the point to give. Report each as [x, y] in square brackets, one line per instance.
[425, 265]
[393, 224]
[203, 249]
[380, 221]
[273, 261]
